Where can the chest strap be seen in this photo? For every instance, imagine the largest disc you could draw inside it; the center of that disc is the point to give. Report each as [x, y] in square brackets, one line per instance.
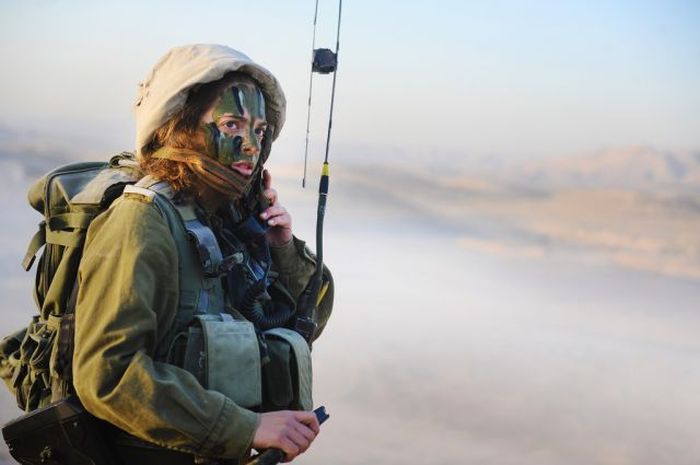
[203, 237]
[199, 254]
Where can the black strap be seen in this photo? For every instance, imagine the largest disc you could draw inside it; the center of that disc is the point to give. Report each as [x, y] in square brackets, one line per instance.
[66, 338]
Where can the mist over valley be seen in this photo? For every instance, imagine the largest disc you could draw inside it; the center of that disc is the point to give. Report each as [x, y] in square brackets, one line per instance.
[538, 313]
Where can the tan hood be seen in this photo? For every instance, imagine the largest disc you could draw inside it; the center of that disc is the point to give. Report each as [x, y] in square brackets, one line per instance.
[165, 89]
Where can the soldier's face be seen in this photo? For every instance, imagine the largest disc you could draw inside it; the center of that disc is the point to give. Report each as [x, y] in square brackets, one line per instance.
[235, 124]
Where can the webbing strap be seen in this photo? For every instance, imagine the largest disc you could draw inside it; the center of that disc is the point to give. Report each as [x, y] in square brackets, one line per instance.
[65, 238]
[207, 246]
[203, 301]
[136, 189]
[75, 220]
[37, 242]
[54, 322]
[155, 185]
[182, 218]
[58, 233]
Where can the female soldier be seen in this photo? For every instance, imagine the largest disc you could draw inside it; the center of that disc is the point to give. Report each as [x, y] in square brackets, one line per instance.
[175, 271]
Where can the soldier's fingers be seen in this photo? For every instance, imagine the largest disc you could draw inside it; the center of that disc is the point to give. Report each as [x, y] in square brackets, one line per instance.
[284, 221]
[307, 432]
[273, 211]
[267, 179]
[277, 216]
[309, 419]
[290, 449]
[270, 195]
[300, 440]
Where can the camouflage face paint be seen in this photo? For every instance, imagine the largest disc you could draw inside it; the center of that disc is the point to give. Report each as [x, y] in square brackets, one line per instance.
[233, 131]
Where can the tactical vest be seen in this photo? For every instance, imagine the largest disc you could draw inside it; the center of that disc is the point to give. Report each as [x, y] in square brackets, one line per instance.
[206, 333]
[209, 338]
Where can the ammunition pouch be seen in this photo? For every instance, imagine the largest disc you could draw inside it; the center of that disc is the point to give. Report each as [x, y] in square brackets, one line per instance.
[64, 433]
[35, 365]
[288, 377]
[61, 433]
[224, 354]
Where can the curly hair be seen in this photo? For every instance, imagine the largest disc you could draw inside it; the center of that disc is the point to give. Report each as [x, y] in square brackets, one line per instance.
[180, 131]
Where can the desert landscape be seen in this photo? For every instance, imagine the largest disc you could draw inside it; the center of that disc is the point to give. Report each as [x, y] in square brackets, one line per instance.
[539, 312]
[513, 222]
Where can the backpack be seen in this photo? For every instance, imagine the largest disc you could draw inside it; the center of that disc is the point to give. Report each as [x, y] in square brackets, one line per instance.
[35, 362]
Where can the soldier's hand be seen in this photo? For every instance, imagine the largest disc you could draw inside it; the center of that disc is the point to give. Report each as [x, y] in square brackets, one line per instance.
[276, 216]
[287, 430]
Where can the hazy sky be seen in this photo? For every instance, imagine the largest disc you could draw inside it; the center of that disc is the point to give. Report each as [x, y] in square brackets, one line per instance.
[455, 78]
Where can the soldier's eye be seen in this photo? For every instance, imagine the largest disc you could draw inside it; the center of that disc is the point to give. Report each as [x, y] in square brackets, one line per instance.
[230, 124]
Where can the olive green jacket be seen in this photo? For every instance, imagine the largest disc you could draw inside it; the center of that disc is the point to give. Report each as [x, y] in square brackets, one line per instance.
[126, 305]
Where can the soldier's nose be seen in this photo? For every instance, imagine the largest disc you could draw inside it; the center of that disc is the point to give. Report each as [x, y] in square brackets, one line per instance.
[250, 149]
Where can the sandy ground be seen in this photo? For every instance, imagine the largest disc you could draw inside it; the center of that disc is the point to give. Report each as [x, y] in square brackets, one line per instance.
[477, 324]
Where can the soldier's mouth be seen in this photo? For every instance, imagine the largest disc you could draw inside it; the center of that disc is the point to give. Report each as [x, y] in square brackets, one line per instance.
[244, 168]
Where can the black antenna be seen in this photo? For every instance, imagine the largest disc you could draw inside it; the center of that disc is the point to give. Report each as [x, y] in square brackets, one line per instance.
[335, 75]
[324, 62]
[311, 86]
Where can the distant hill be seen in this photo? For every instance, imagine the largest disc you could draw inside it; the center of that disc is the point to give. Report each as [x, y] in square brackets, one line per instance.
[636, 167]
[26, 154]
[25, 162]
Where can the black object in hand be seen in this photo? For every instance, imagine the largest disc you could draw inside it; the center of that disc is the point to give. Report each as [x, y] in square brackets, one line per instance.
[275, 456]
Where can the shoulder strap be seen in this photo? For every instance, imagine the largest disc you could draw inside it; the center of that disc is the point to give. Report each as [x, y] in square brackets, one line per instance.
[201, 291]
[208, 248]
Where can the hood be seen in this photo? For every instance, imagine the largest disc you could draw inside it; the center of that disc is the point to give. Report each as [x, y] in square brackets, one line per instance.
[164, 91]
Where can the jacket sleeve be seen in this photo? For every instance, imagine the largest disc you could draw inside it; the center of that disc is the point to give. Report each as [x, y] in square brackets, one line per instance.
[127, 301]
[296, 266]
